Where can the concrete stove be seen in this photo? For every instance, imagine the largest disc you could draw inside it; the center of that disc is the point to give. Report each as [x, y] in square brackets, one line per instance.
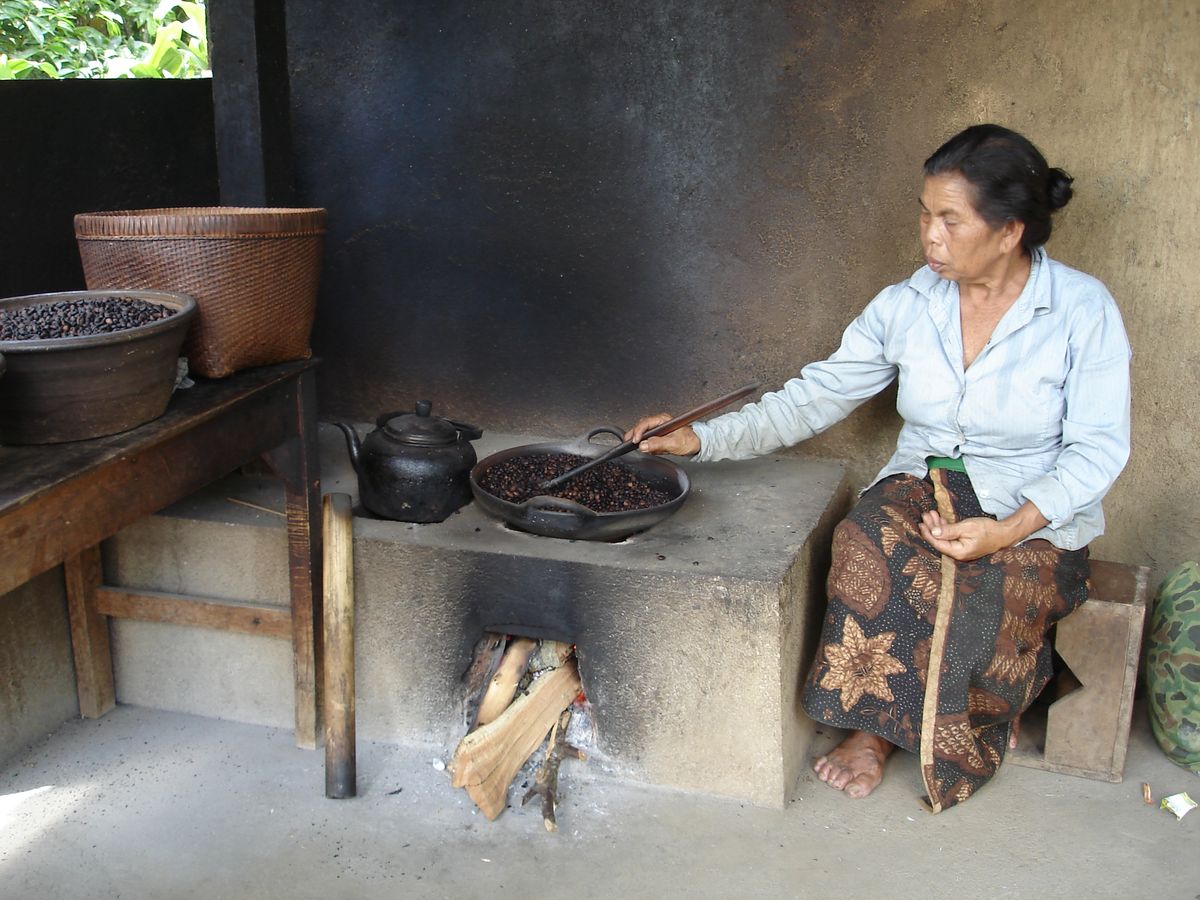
[693, 637]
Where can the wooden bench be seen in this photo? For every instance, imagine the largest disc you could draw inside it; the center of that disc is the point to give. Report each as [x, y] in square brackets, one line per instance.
[1080, 724]
[58, 502]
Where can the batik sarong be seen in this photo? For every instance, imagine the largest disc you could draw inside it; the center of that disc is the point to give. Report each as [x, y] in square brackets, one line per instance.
[937, 656]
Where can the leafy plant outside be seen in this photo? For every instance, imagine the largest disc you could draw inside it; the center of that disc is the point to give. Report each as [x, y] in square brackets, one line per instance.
[103, 39]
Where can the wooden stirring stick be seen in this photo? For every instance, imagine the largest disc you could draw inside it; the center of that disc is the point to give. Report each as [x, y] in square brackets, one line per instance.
[665, 428]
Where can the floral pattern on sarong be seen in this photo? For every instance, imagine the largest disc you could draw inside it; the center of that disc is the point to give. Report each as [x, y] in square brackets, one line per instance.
[860, 665]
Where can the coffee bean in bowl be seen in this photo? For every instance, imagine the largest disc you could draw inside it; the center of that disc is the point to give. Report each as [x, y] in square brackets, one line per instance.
[84, 364]
[79, 317]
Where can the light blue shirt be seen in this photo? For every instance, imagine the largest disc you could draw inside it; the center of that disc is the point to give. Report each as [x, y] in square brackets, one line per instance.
[1041, 414]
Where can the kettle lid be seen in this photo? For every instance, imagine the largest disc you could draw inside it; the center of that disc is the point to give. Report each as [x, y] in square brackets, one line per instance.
[420, 427]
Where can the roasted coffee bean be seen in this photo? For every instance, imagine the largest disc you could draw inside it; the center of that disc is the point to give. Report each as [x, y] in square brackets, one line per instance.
[78, 318]
[608, 487]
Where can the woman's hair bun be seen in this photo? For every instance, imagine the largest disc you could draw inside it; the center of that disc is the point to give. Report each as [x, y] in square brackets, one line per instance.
[1058, 188]
[1010, 176]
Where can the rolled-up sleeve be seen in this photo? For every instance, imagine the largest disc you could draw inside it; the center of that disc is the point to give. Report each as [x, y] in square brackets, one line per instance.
[1096, 426]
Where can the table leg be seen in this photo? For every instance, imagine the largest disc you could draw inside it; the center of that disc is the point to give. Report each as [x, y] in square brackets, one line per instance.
[89, 634]
[296, 462]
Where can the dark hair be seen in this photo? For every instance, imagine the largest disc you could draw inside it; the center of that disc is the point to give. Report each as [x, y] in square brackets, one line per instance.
[1010, 178]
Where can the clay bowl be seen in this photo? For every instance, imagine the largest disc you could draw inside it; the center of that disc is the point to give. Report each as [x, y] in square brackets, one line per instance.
[75, 388]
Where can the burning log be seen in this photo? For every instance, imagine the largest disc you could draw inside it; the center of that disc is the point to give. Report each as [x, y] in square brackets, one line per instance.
[546, 782]
[504, 683]
[489, 650]
[550, 655]
[488, 758]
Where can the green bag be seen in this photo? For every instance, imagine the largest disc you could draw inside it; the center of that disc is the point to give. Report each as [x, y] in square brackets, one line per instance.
[1173, 666]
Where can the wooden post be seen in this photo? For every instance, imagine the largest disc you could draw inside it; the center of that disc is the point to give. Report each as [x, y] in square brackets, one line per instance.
[297, 463]
[89, 634]
[251, 118]
[338, 527]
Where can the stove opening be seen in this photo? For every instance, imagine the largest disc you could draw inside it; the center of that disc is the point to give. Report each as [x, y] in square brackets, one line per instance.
[525, 711]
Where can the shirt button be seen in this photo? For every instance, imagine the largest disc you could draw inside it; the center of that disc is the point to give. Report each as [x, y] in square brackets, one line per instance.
[984, 492]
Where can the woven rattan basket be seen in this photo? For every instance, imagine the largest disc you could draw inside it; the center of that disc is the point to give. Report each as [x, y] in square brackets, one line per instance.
[252, 272]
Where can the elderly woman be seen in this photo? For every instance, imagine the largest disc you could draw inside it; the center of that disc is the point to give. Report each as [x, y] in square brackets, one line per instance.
[972, 541]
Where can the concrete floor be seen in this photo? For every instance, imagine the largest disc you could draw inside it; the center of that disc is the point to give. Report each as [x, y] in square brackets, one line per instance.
[146, 804]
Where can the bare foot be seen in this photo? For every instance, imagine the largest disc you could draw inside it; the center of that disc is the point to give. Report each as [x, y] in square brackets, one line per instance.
[855, 765]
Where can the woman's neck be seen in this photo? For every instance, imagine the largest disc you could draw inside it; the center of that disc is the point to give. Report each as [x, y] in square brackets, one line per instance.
[983, 303]
[1001, 285]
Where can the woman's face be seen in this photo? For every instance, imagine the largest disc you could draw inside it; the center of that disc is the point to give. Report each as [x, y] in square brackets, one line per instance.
[958, 244]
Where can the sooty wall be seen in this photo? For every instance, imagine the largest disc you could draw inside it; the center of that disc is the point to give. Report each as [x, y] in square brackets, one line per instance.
[538, 210]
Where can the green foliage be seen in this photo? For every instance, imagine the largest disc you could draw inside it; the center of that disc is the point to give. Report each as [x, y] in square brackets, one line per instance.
[103, 39]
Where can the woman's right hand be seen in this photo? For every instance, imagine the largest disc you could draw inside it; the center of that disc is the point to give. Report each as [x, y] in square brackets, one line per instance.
[680, 442]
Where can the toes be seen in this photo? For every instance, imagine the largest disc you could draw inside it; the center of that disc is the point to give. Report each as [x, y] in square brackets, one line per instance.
[860, 787]
[833, 775]
[855, 766]
[841, 779]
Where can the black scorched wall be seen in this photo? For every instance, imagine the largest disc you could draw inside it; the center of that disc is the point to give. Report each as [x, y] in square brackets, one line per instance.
[530, 202]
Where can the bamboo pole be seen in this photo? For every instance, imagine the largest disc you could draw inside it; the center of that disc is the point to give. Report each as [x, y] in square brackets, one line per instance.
[338, 523]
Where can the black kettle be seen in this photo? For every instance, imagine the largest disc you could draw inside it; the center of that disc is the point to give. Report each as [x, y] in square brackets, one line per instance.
[414, 467]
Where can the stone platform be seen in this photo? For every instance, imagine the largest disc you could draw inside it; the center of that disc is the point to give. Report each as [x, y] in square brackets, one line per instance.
[693, 637]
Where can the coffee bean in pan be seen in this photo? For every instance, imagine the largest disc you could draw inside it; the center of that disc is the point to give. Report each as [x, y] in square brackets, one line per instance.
[606, 488]
[78, 318]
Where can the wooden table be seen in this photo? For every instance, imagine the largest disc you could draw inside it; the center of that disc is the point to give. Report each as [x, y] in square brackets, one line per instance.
[58, 502]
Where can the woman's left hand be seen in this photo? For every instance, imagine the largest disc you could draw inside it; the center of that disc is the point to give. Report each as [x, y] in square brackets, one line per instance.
[973, 538]
[965, 540]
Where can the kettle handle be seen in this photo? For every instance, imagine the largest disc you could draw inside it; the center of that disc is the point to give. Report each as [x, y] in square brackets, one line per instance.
[467, 432]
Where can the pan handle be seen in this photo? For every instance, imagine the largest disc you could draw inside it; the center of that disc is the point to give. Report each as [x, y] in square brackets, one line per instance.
[606, 429]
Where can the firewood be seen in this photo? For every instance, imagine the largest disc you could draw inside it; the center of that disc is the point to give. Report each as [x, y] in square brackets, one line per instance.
[489, 650]
[550, 655]
[546, 782]
[504, 683]
[489, 757]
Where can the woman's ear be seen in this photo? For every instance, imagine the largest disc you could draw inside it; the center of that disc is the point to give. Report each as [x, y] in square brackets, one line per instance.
[1010, 234]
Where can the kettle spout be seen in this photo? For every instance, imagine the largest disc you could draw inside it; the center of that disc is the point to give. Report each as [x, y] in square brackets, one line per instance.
[352, 445]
